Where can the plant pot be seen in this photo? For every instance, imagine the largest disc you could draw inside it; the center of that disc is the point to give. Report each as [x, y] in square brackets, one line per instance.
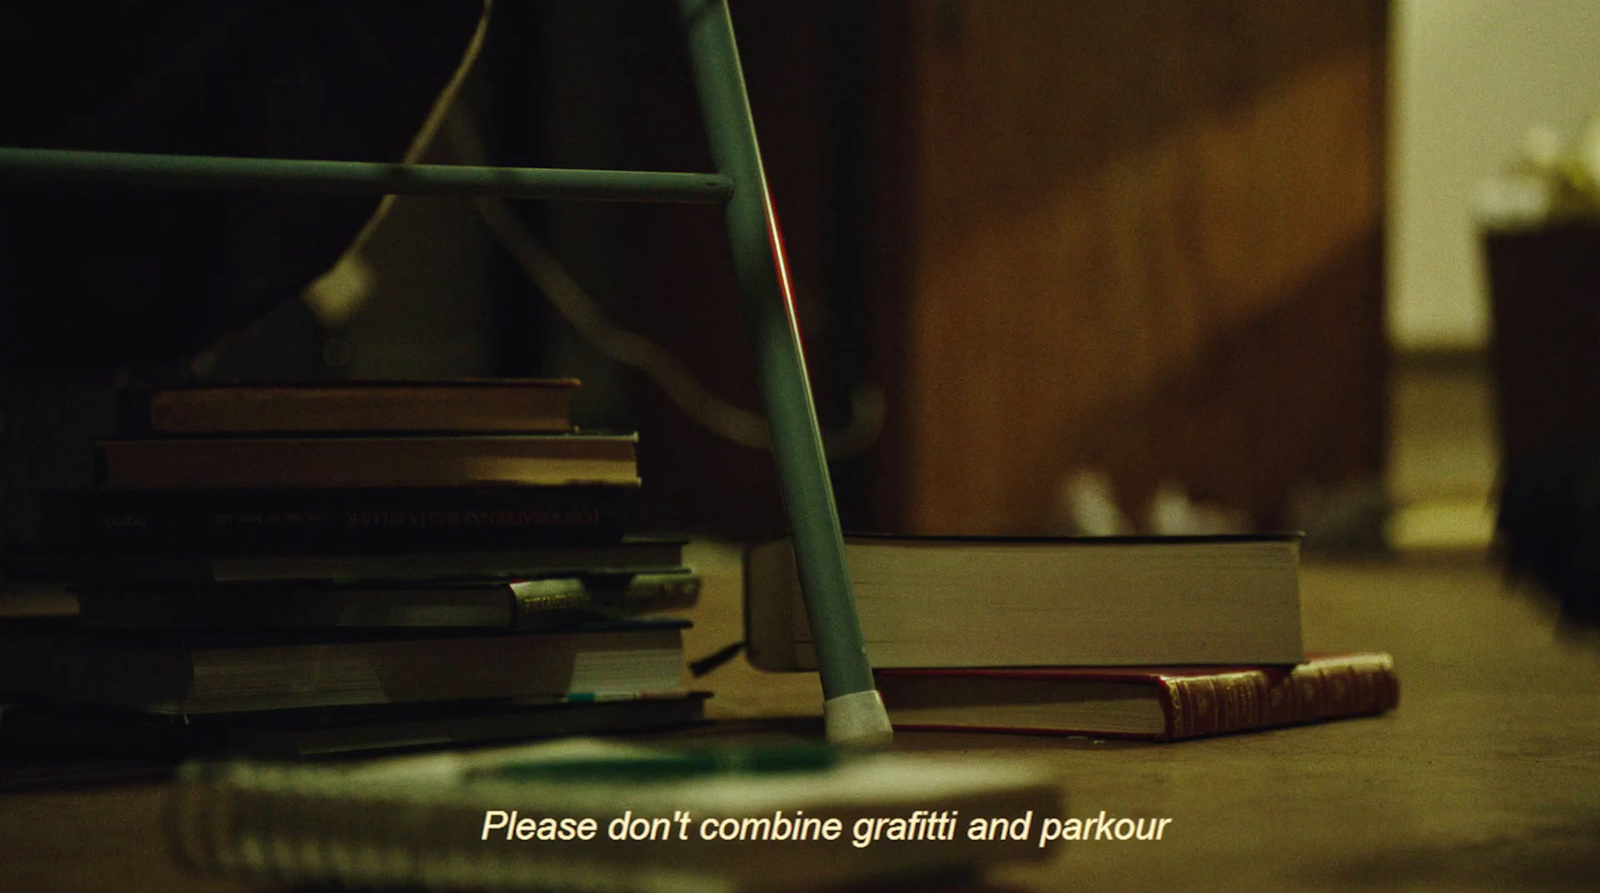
[1545, 293]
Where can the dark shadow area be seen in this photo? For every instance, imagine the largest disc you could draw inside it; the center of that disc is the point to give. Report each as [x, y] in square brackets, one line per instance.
[107, 278]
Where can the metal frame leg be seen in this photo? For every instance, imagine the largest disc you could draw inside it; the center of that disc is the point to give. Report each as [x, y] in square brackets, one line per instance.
[853, 711]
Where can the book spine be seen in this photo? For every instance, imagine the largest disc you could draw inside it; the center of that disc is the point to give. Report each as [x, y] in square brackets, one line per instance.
[321, 520]
[1258, 699]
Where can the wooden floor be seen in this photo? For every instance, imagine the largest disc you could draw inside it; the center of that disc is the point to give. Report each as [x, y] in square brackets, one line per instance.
[1486, 778]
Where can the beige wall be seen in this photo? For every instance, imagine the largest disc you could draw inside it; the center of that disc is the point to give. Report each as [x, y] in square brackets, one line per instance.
[1470, 77]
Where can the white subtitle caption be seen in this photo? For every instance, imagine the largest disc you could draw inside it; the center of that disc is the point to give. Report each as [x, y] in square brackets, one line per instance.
[922, 825]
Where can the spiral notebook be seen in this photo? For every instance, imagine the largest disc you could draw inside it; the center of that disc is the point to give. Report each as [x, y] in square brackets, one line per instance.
[605, 816]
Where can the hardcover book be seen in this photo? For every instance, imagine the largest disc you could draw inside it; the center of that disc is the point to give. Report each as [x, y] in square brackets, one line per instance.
[333, 462]
[356, 519]
[976, 601]
[1157, 703]
[401, 567]
[470, 406]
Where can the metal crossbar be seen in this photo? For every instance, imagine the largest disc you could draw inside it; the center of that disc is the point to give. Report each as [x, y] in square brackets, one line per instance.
[209, 171]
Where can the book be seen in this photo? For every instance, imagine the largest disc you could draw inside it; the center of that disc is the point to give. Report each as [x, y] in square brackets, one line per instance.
[977, 601]
[332, 462]
[468, 406]
[85, 566]
[1157, 703]
[606, 816]
[518, 604]
[75, 730]
[194, 673]
[355, 519]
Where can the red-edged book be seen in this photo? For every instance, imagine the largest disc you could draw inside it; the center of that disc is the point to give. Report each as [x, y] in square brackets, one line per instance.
[1156, 703]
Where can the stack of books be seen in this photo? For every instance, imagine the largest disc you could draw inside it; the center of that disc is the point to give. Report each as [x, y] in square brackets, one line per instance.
[320, 568]
[1159, 638]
